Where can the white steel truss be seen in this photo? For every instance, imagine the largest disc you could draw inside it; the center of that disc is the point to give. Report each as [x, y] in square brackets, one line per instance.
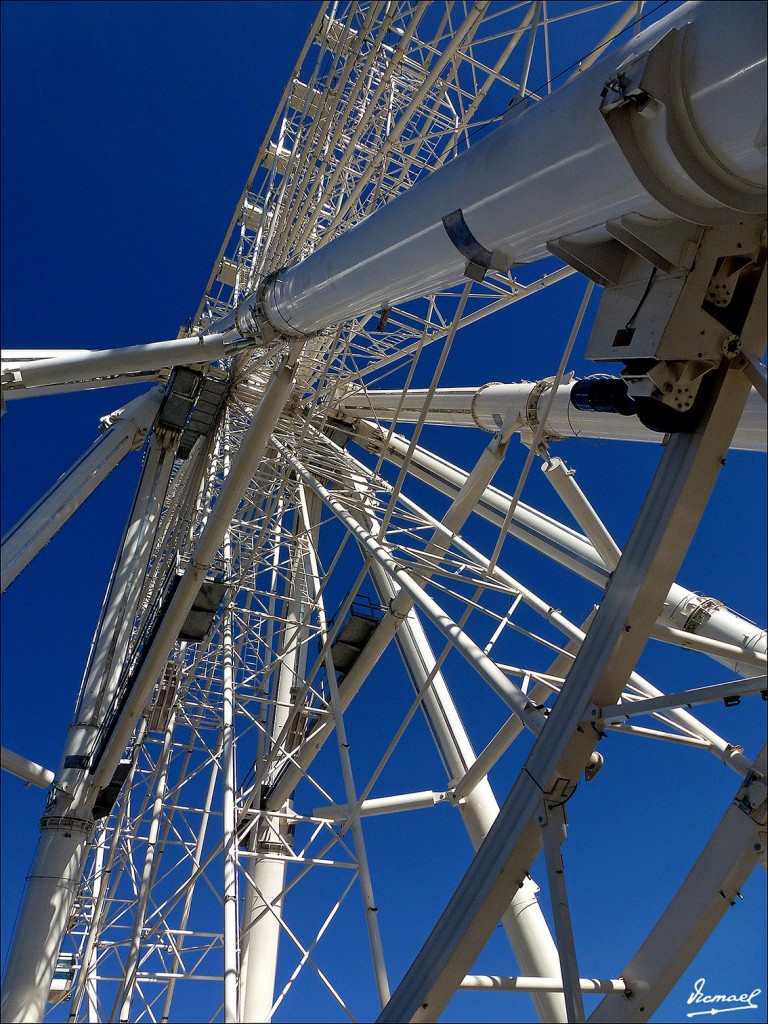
[205, 849]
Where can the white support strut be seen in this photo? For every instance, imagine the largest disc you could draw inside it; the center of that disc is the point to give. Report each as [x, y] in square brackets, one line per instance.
[126, 430]
[383, 185]
[32, 773]
[100, 364]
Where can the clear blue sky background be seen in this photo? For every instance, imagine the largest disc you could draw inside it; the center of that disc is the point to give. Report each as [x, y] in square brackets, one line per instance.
[128, 131]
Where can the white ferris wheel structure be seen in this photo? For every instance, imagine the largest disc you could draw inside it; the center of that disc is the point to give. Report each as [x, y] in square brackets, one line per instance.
[404, 681]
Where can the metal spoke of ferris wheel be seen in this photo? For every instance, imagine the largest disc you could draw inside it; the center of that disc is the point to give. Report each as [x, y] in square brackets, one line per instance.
[302, 510]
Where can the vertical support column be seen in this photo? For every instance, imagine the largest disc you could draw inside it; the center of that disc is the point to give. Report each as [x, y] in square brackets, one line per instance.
[51, 887]
[228, 784]
[266, 877]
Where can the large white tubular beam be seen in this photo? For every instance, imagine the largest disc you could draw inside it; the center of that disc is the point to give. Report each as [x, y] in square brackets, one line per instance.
[487, 406]
[13, 361]
[665, 526]
[113, 633]
[84, 365]
[30, 535]
[528, 183]
[11, 358]
[692, 615]
[532, 180]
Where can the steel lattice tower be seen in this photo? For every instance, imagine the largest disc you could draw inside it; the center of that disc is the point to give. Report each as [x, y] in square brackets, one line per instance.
[328, 619]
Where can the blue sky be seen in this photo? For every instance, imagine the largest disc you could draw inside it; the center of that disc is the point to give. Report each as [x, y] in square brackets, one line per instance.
[128, 130]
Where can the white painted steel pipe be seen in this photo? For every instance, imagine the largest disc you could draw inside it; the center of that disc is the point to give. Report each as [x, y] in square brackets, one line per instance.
[66, 825]
[487, 406]
[29, 771]
[496, 983]
[383, 805]
[562, 479]
[707, 617]
[82, 365]
[148, 377]
[35, 529]
[260, 935]
[552, 170]
[12, 358]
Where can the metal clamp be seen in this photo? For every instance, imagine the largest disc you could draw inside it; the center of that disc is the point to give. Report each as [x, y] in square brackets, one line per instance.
[479, 259]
